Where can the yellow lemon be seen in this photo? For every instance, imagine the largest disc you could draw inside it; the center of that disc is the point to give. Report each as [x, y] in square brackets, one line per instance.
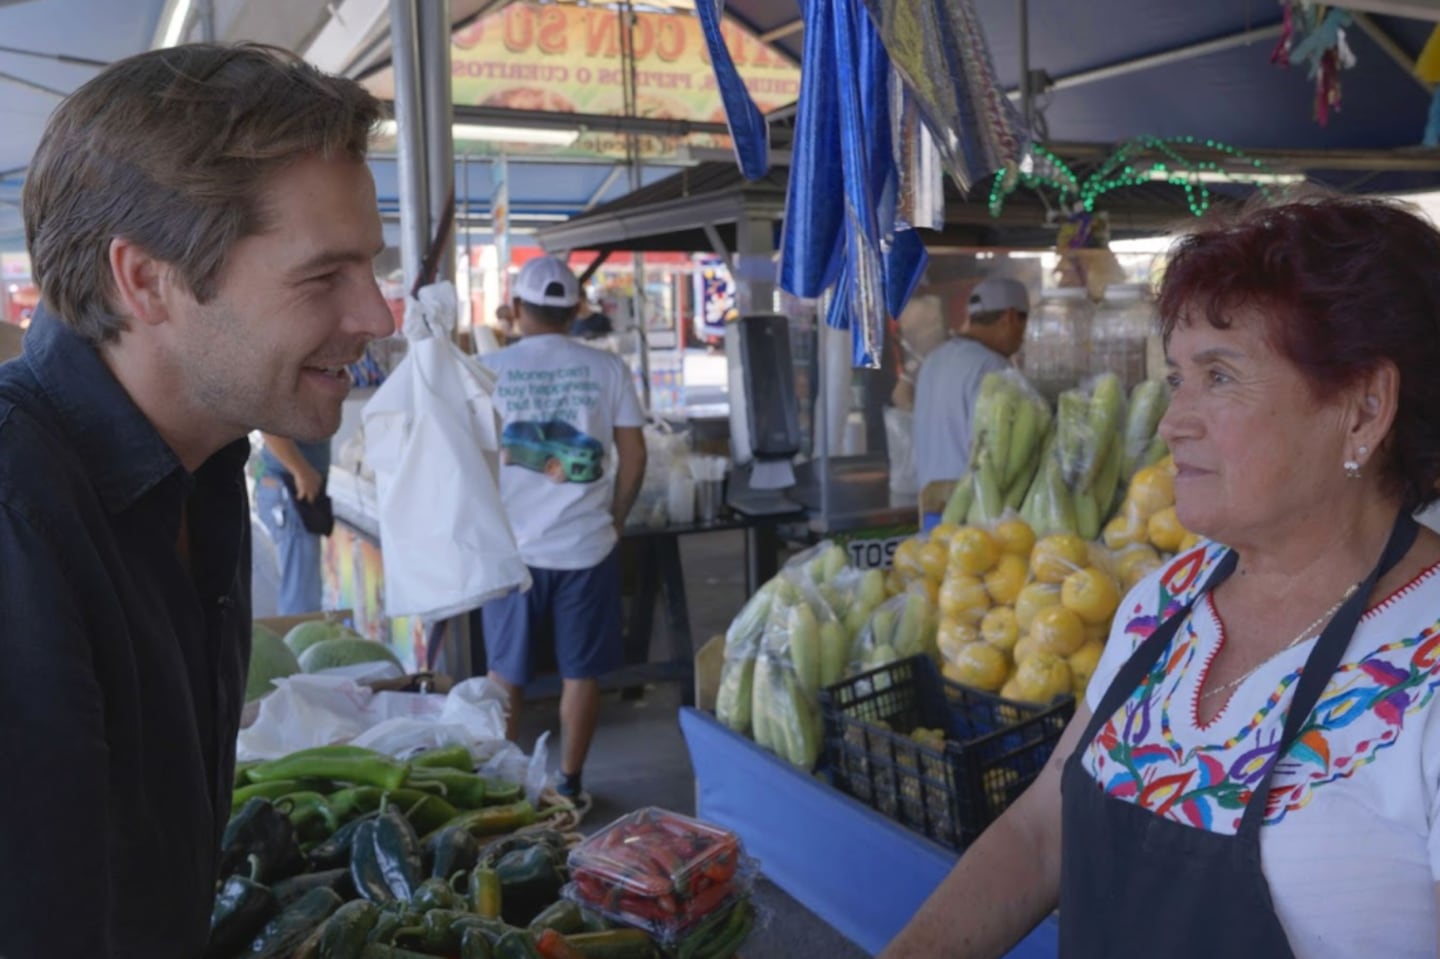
[1042, 677]
[979, 665]
[907, 558]
[933, 558]
[1005, 581]
[942, 532]
[894, 583]
[1127, 528]
[1132, 577]
[1166, 533]
[964, 598]
[973, 550]
[1137, 554]
[1082, 664]
[1057, 630]
[1188, 543]
[1024, 648]
[1152, 489]
[928, 587]
[1015, 536]
[1011, 690]
[1097, 634]
[953, 634]
[1057, 556]
[1090, 594]
[1033, 598]
[999, 628]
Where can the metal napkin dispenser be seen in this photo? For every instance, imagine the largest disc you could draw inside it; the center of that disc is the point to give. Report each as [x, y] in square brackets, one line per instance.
[765, 422]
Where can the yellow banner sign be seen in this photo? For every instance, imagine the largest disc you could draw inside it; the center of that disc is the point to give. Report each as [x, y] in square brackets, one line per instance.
[566, 59]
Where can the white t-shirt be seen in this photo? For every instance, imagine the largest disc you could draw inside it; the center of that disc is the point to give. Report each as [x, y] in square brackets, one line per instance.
[560, 402]
[945, 395]
[1347, 845]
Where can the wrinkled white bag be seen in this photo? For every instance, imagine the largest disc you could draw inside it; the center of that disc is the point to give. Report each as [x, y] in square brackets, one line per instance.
[433, 440]
[318, 709]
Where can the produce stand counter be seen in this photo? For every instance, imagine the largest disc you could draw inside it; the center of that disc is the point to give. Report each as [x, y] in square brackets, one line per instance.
[852, 867]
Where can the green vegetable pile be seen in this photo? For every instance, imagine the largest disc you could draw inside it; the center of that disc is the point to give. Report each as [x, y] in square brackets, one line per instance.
[341, 852]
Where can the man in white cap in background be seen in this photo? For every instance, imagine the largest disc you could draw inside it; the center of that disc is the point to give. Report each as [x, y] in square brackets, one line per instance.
[564, 405]
[949, 381]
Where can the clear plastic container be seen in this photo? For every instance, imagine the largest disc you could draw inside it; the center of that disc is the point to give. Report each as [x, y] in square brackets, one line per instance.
[659, 871]
[1056, 354]
[1120, 329]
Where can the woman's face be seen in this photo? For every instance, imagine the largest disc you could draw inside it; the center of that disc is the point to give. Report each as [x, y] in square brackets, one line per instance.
[1254, 450]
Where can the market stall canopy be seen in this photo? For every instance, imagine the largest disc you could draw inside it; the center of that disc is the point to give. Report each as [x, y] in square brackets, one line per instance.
[506, 85]
[1123, 68]
[1115, 68]
[701, 210]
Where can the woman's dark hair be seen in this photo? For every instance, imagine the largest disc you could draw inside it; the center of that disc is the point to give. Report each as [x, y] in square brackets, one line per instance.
[1343, 285]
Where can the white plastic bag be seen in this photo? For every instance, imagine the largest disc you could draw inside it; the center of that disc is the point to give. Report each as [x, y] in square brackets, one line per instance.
[432, 438]
[317, 709]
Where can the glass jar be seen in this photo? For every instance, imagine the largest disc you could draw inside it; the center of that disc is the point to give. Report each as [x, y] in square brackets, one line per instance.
[1055, 356]
[1120, 329]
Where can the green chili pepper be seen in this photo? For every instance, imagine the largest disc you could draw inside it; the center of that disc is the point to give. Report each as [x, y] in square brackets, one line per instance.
[436, 894]
[341, 763]
[465, 790]
[242, 907]
[453, 757]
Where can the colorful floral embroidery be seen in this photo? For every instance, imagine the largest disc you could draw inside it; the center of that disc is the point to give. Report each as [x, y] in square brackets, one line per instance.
[1138, 757]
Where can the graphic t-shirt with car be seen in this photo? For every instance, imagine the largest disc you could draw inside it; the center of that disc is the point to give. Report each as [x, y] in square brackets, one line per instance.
[560, 402]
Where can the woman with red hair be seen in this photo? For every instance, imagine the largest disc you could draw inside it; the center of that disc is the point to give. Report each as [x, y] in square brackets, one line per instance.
[1255, 770]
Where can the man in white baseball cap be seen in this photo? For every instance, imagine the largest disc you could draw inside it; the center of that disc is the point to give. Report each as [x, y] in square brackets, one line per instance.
[564, 405]
[949, 381]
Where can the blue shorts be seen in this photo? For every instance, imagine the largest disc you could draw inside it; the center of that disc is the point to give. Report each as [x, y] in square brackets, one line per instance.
[578, 608]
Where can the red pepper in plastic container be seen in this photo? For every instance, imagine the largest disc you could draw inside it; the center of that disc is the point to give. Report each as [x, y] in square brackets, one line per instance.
[660, 871]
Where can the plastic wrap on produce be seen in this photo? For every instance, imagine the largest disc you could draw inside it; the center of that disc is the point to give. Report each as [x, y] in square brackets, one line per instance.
[940, 49]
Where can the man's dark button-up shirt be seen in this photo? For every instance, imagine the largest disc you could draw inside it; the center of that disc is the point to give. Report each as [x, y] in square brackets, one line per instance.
[122, 663]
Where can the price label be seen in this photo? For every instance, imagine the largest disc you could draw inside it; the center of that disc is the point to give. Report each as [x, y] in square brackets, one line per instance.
[875, 549]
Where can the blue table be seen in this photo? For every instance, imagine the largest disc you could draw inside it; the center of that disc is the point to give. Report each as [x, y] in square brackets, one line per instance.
[857, 870]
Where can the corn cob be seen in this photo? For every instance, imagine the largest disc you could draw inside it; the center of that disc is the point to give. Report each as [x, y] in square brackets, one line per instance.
[1023, 439]
[1087, 514]
[958, 506]
[834, 652]
[1155, 452]
[1107, 406]
[981, 417]
[989, 500]
[1003, 410]
[1147, 405]
[1071, 420]
[1107, 482]
[805, 646]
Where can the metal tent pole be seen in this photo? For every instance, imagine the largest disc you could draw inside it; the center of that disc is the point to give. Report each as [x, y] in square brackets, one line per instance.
[434, 69]
[410, 138]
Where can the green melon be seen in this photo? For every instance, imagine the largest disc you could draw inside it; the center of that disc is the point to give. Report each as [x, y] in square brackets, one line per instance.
[304, 635]
[329, 653]
[270, 659]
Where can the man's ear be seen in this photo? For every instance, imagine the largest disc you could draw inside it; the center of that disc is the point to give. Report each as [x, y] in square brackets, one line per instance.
[141, 282]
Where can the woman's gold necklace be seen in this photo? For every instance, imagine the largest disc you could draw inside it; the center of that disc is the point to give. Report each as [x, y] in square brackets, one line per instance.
[1304, 635]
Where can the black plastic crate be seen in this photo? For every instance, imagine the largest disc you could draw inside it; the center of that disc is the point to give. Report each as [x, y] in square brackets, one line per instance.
[994, 748]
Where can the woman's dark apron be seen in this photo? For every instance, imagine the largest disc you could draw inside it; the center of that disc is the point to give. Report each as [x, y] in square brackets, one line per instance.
[1134, 883]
